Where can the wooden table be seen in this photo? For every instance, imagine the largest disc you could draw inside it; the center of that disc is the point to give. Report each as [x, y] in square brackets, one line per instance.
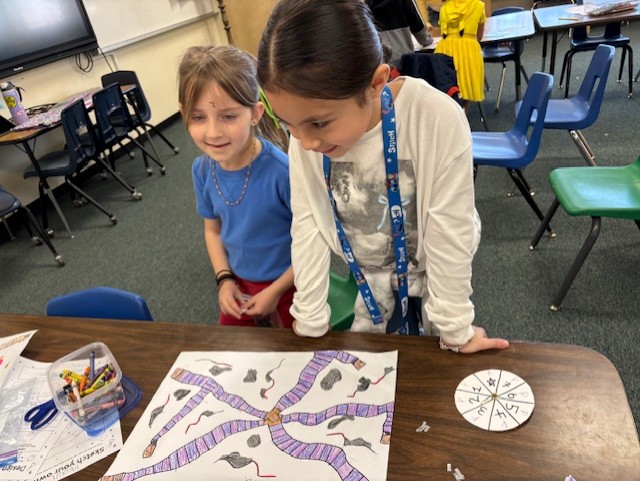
[581, 425]
[560, 17]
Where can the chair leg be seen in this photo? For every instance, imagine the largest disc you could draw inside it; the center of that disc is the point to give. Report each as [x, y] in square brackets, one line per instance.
[6, 226]
[146, 133]
[146, 154]
[132, 190]
[544, 224]
[624, 56]
[565, 60]
[130, 153]
[630, 71]
[637, 76]
[486, 84]
[483, 117]
[158, 132]
[568, 79]
[42, 236]
[577, 263]
[49, 193]
[521, 183]
[504, 72]
[111, 216]
[583, 146]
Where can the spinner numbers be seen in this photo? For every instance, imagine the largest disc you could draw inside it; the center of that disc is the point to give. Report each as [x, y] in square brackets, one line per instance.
[494, 400]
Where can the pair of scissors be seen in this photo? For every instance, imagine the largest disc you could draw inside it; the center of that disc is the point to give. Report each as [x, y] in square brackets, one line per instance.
[41, 414]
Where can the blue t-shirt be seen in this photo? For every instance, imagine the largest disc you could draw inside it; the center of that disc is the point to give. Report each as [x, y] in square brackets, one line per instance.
[256, 233]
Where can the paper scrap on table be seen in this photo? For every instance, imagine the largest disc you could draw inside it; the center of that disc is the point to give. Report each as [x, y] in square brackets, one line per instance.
[250, 415]
[10, 349]
[61, 447]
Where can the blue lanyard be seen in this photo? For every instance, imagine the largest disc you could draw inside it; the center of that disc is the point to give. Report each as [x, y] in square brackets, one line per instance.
[397, 219]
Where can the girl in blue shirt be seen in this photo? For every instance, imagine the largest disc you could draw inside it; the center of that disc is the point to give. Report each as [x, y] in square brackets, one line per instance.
[241, 185]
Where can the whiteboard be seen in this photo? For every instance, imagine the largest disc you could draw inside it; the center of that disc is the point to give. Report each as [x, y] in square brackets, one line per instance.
[118, 23]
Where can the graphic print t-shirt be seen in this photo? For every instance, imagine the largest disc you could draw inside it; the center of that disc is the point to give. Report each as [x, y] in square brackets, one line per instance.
[359, 186]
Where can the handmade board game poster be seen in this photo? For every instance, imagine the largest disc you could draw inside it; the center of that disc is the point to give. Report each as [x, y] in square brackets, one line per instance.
[324, 415]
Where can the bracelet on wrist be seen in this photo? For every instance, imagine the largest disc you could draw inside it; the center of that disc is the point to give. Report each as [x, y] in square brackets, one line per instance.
[224, 277]
[223, 271]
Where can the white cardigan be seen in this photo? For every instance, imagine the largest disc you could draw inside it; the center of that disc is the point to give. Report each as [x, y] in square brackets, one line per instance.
[433, 132]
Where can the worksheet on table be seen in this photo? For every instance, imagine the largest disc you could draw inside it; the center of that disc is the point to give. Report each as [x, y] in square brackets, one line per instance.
[58, 449]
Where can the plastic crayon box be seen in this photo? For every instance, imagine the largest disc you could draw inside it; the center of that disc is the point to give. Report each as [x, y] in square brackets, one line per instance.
[85, 385]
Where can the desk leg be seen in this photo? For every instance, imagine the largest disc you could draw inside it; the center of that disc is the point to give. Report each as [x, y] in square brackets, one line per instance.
[518, 68]
[544, 50]
[552, 60]
[46, 189]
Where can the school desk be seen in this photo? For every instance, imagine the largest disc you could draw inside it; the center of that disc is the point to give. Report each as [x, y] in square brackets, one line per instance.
[500, 28]
[509, 27]
[560, 17]
[581, 425]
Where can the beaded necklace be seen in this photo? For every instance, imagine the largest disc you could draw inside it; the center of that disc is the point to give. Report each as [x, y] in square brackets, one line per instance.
[246, 180]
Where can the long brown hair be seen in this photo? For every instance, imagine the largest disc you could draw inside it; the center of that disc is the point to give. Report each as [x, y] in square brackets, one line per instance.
[235, 71]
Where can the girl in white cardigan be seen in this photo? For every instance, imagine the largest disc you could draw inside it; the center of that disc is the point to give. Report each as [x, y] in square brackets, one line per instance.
[395, 161]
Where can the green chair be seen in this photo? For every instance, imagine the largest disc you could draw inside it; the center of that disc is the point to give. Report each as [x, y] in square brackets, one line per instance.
[342, 296]
[596, 192]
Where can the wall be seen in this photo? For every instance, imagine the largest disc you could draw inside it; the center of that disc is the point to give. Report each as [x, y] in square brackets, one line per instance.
[247, 19]
[155, 60]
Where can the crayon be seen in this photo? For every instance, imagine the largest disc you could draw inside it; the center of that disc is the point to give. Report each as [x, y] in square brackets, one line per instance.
[75, 376]
[85, 376]
[76, 393]
[92, 363]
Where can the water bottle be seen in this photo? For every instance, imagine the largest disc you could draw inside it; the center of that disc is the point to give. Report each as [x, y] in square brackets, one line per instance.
[14, 101]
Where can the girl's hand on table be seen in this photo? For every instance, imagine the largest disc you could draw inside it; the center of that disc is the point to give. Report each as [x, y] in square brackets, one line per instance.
[480, 342]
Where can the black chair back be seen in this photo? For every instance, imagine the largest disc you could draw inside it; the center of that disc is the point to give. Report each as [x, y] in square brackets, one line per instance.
[135, 96]
[113, 119]
[80, 135]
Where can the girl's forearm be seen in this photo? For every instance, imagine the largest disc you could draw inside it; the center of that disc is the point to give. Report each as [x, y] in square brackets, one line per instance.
[283, 283]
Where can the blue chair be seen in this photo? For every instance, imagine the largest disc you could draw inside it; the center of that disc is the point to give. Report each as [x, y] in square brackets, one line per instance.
[100, 303]
[501, 52]
[80, 149]
[582, 110]
[115, 123]
[9, 204]
[582, 42]
[515, 149]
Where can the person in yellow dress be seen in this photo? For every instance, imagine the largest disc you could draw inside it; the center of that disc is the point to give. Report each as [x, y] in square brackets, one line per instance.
[462, 24]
